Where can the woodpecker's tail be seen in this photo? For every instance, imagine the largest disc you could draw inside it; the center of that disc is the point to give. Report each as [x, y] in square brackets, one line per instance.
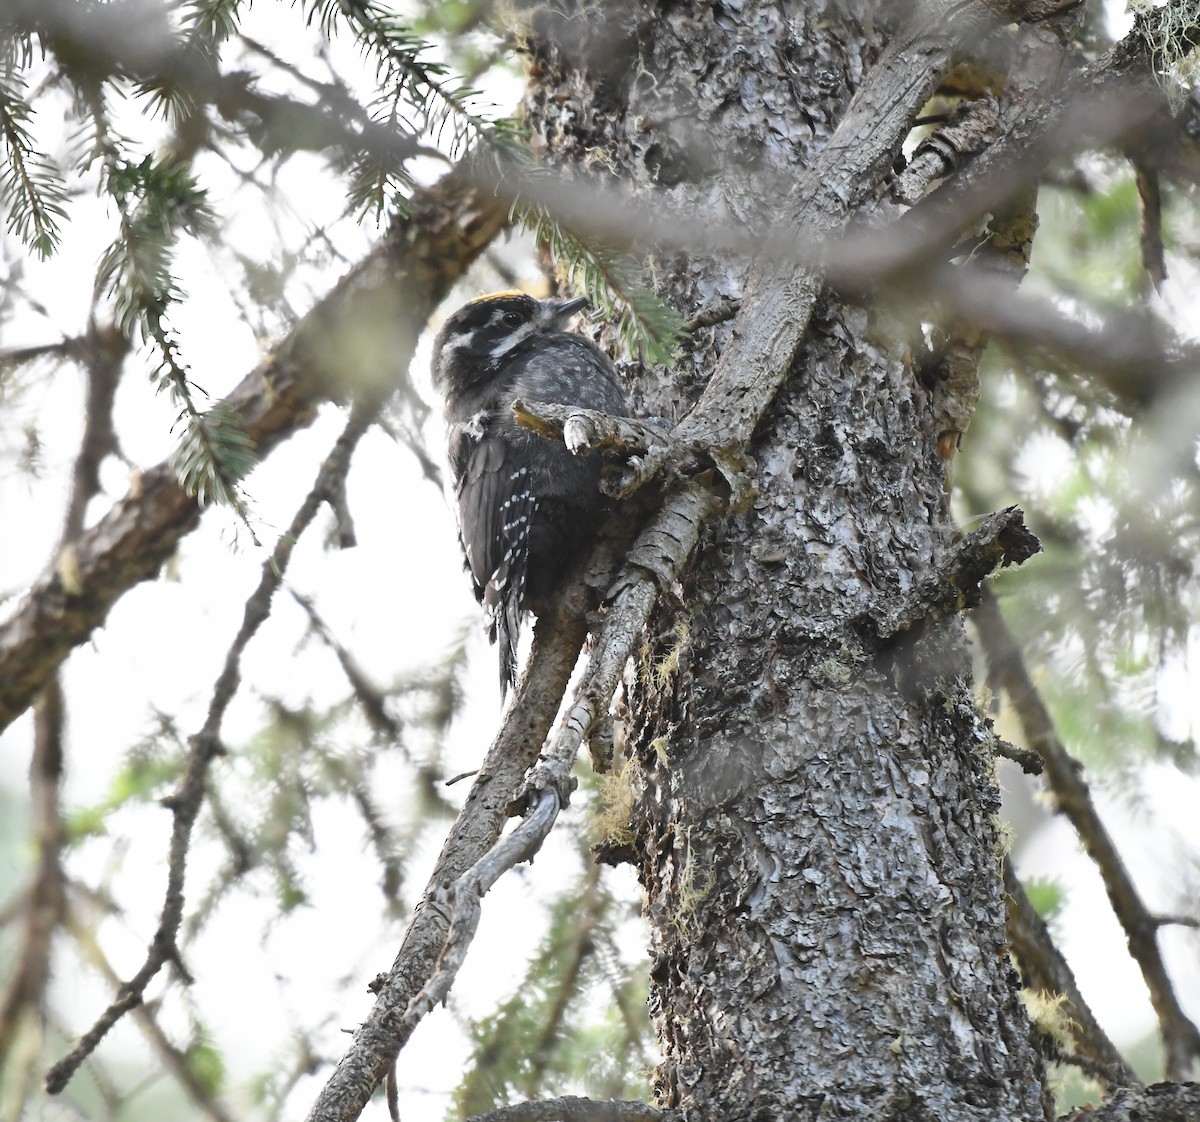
[503, 613]
[508, 628]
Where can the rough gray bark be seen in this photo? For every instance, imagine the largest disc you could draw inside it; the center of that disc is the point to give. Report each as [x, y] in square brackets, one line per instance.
[815, 833]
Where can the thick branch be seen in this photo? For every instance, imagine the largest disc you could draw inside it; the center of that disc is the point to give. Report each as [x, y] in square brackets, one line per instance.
[1160, 1102]
[779, 297]
[572, 1108]
[366, 328]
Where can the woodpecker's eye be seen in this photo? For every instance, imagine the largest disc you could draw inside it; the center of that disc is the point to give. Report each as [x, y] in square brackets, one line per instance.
[513, 319]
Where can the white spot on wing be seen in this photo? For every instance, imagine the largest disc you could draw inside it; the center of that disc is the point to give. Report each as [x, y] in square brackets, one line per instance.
[475, 426]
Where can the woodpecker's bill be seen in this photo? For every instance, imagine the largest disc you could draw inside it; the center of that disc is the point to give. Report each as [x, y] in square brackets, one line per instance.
[525, 504]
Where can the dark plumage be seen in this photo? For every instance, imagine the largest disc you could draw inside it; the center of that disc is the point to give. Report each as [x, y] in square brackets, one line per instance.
[525, 504]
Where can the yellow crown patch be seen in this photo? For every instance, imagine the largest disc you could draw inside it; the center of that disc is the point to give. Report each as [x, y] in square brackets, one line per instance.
[507, 293]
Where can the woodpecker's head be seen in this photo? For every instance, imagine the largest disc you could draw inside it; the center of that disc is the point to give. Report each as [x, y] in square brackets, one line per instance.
[477, 339]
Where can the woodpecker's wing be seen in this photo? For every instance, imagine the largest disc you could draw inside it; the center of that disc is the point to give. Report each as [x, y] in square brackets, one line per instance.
[481, 464]
[496, 506]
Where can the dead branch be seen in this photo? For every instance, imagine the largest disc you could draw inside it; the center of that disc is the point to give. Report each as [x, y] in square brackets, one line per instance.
[649, 449]
[1044, 968]
[1181, 1040]
[380, 305]
[1025, 758]
[1000, 540]
[203, 748]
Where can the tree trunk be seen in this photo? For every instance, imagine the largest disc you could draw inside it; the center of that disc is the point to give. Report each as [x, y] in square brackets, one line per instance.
[815, 830]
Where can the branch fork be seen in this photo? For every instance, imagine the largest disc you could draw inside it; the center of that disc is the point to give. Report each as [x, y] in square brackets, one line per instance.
[650, 448]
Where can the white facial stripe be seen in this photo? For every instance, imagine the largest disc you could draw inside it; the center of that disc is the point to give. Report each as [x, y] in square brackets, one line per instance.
[457, 342]
[507, 342]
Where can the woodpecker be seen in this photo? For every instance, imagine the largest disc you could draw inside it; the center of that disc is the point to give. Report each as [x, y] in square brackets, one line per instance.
[525, 504]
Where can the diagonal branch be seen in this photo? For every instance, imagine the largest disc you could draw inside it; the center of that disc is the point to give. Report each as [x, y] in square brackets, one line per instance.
[441, 931]
[558, 637]
[170, 1056]
[366, 326]
[206, 746]
[1181, 1039]
[780, 295]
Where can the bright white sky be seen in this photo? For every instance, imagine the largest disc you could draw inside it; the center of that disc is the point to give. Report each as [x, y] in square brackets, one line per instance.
[399, 595]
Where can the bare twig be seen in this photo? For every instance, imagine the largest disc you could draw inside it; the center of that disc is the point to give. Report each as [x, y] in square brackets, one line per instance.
[1025, 758]
[175, 1061]
[720, 312]
[381, 305]
[101, 353]
[463, 899]
[1181, 1040]
[1130, 353]
[203, 748]
[1177, 921]
[14, 357]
